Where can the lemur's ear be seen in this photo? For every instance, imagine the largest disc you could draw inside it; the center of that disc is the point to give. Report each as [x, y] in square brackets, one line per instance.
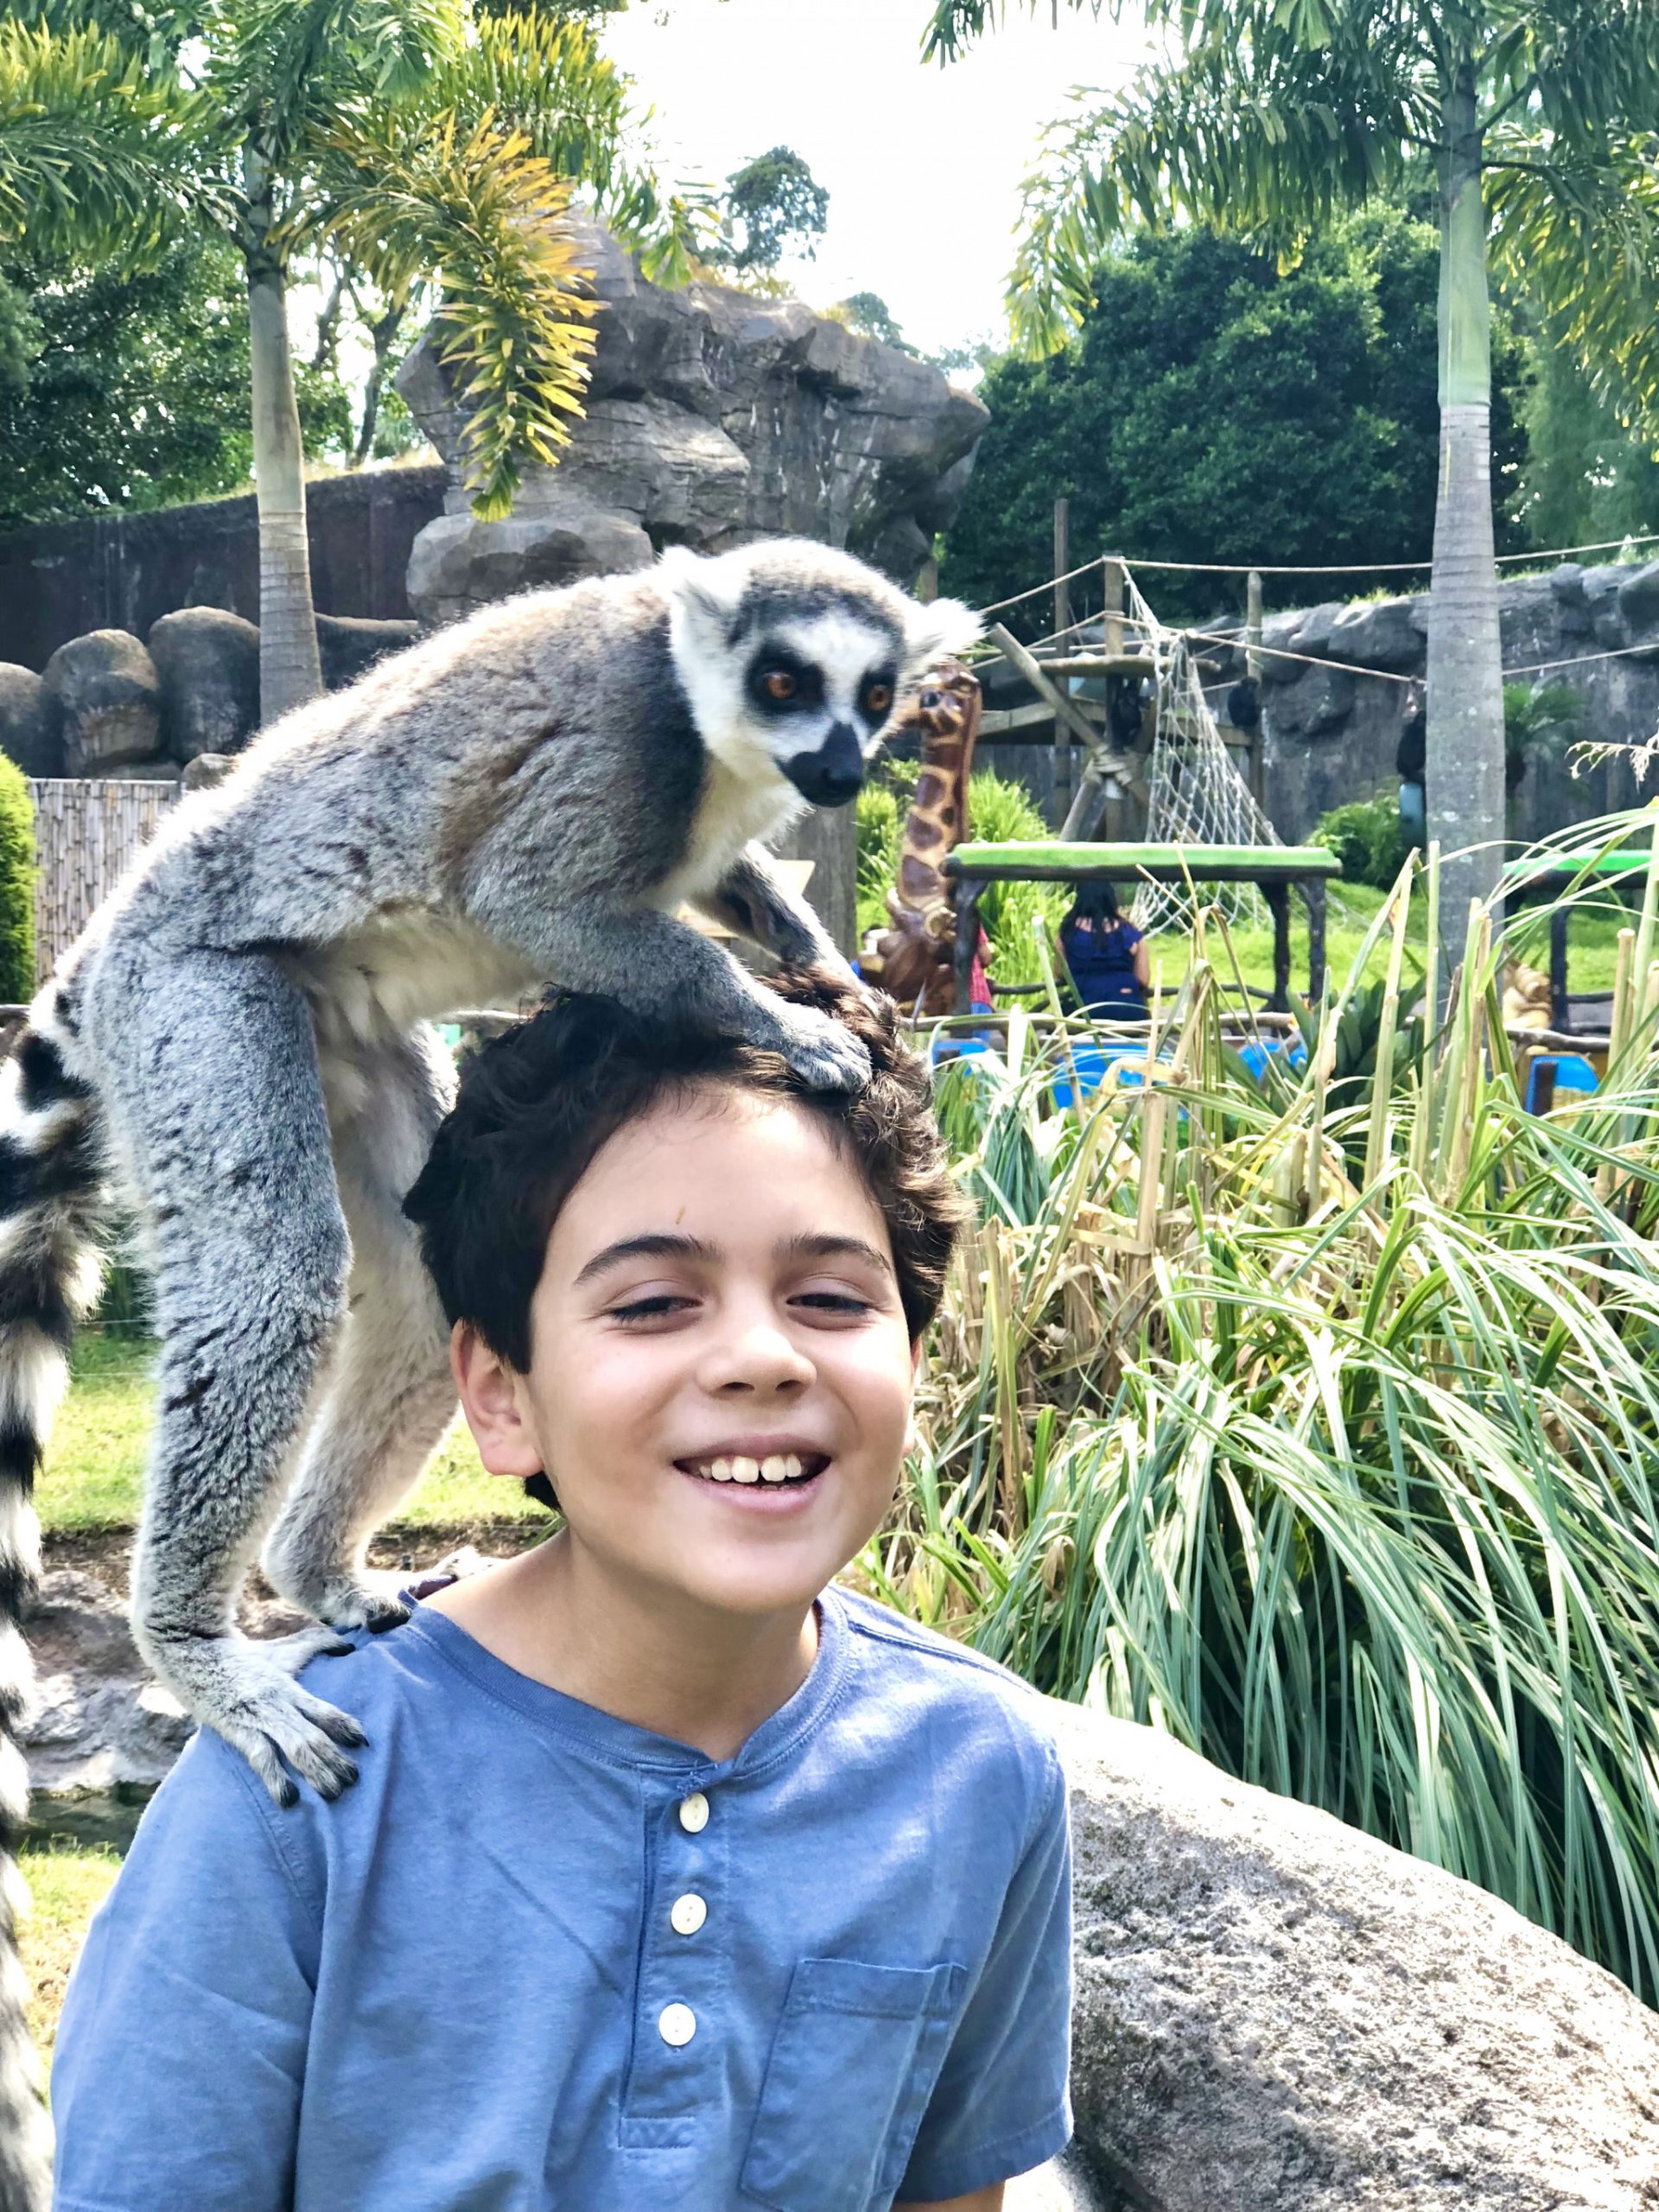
[693, 584]
[941, 626]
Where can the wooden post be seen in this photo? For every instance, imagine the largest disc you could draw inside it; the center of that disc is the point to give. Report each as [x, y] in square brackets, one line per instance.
[1258, 779]
[966, 897]
[1314, 893]
[1560, 1010]
[1278, 897]
[1112, 640]
[1062, 623]
[829, 838]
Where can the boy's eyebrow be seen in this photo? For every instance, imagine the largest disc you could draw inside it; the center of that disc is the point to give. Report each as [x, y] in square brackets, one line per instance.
[662, 1244]
[827, 1247]
[659, 1245]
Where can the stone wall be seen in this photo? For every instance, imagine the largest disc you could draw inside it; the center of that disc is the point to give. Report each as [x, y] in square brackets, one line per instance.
[60, 581]
[1332, 733]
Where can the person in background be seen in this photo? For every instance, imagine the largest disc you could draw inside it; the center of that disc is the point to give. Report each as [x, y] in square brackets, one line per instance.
[1105, 953]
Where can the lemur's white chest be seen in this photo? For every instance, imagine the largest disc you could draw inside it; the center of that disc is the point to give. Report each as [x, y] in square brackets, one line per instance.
[739, 804]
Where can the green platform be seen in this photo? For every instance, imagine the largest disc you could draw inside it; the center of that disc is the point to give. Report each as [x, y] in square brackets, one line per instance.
[1273, 868]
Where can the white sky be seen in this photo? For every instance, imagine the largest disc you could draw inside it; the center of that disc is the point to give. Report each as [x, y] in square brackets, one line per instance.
[922, 165]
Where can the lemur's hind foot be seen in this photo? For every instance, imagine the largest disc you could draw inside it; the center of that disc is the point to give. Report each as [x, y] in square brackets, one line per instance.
[246, 1693]
[341, 1597]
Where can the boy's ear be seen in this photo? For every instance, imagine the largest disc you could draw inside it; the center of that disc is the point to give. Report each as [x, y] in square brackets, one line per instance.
[489, 1398]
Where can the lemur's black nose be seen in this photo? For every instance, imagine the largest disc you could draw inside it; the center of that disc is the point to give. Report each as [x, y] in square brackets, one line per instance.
[832, 775]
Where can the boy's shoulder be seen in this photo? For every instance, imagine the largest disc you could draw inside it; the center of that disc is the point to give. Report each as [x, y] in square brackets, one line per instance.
[901, 1664]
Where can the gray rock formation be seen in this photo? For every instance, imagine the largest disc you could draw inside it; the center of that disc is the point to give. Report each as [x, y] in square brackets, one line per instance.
[712, 418]
[350, 644]
[28, 731]
[106, 697]
[98, 1718]
[208, 662]
[1331, 733]
[1275, 2014]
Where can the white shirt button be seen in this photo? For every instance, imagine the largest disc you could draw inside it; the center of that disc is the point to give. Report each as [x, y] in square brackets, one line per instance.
[676, 2024]
[694, 1813]
[687, 1914]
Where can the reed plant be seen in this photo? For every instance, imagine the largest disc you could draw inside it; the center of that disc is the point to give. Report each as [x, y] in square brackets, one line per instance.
[1315, 1419]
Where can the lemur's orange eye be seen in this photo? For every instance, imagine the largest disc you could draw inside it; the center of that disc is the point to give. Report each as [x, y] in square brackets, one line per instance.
[878, 698]
[781, 684]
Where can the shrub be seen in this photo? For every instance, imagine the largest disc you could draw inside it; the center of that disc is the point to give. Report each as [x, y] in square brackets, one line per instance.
[17, 871]
[1365, 837]
[1325, 1436]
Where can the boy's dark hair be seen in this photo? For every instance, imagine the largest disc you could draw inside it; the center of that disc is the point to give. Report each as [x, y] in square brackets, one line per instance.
[536, 1104]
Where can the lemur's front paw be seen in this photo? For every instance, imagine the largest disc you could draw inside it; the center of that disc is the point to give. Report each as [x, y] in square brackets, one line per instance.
[823, 1052]
[247, 1693]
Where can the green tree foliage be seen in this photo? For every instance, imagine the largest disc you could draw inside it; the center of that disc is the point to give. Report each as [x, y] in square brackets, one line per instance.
[1585, 479]
[134, 391]
[771, 206]
[17, 887]
[869, 316]
[1211, 408]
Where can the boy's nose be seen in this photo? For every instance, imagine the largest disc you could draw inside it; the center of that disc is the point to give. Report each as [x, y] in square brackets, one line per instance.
[761, 1357]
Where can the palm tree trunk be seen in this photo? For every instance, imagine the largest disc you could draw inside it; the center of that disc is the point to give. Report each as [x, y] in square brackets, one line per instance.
[1465, 682]
[290, 671]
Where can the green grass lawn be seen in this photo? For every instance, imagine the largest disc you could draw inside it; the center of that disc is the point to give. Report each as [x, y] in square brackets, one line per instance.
[94, 1464]
[67, 1885]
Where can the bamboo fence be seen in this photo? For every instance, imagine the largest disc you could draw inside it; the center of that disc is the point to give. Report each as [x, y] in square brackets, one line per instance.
[85, 832]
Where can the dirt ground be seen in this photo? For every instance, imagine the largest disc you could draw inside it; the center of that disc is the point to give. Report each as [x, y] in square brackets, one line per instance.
[106, 1552]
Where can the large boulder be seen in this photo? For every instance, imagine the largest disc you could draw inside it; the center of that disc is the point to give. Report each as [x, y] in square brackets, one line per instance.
[29, 734]
[207, 660]
[1385, 633]
[351, 643]
[97, 1718]
[711, 418]
[1275, 2014]
[106, 696]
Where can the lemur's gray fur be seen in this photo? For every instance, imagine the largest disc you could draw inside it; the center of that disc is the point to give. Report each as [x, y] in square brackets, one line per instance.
[237, 1047]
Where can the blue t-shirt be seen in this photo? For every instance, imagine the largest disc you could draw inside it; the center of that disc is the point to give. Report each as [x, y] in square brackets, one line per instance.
[540, 1958]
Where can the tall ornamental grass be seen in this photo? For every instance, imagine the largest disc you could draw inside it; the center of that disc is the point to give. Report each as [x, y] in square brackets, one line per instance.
[1316, 1423]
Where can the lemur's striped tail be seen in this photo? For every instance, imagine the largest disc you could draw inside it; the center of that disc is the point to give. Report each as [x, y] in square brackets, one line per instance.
[51, 1183]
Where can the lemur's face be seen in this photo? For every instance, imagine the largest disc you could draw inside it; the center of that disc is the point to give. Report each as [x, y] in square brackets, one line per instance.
[818, 697]
[795, 658]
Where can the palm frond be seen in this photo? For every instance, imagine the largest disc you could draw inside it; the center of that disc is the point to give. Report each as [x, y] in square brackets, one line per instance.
[407, 195]
[1260, 137]
[279, 68]
[93, 152]
[1578, 235]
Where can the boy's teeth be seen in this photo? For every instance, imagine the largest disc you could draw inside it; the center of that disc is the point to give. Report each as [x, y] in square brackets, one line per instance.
[793, 1469]
[745, 1470]
[774, 1468]
[720, 1470]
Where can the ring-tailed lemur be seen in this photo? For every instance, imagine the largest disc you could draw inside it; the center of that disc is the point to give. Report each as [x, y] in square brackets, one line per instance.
[237, 1047]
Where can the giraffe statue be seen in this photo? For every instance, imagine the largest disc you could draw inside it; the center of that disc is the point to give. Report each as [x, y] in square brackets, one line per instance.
[913, 960]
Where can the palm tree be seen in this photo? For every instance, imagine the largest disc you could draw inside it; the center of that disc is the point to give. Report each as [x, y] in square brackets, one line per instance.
[418, 141]
[1273, 116]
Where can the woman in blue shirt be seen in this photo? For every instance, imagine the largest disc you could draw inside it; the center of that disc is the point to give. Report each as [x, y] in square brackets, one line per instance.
[1105, 953]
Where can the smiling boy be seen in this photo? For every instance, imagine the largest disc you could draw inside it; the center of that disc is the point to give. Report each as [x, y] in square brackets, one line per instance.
[675, 1876]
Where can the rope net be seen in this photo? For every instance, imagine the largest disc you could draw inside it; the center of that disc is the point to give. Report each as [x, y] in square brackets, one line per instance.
[1196, 794]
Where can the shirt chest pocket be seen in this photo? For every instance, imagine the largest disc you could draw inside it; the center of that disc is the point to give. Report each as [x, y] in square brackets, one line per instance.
[855, 2056]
